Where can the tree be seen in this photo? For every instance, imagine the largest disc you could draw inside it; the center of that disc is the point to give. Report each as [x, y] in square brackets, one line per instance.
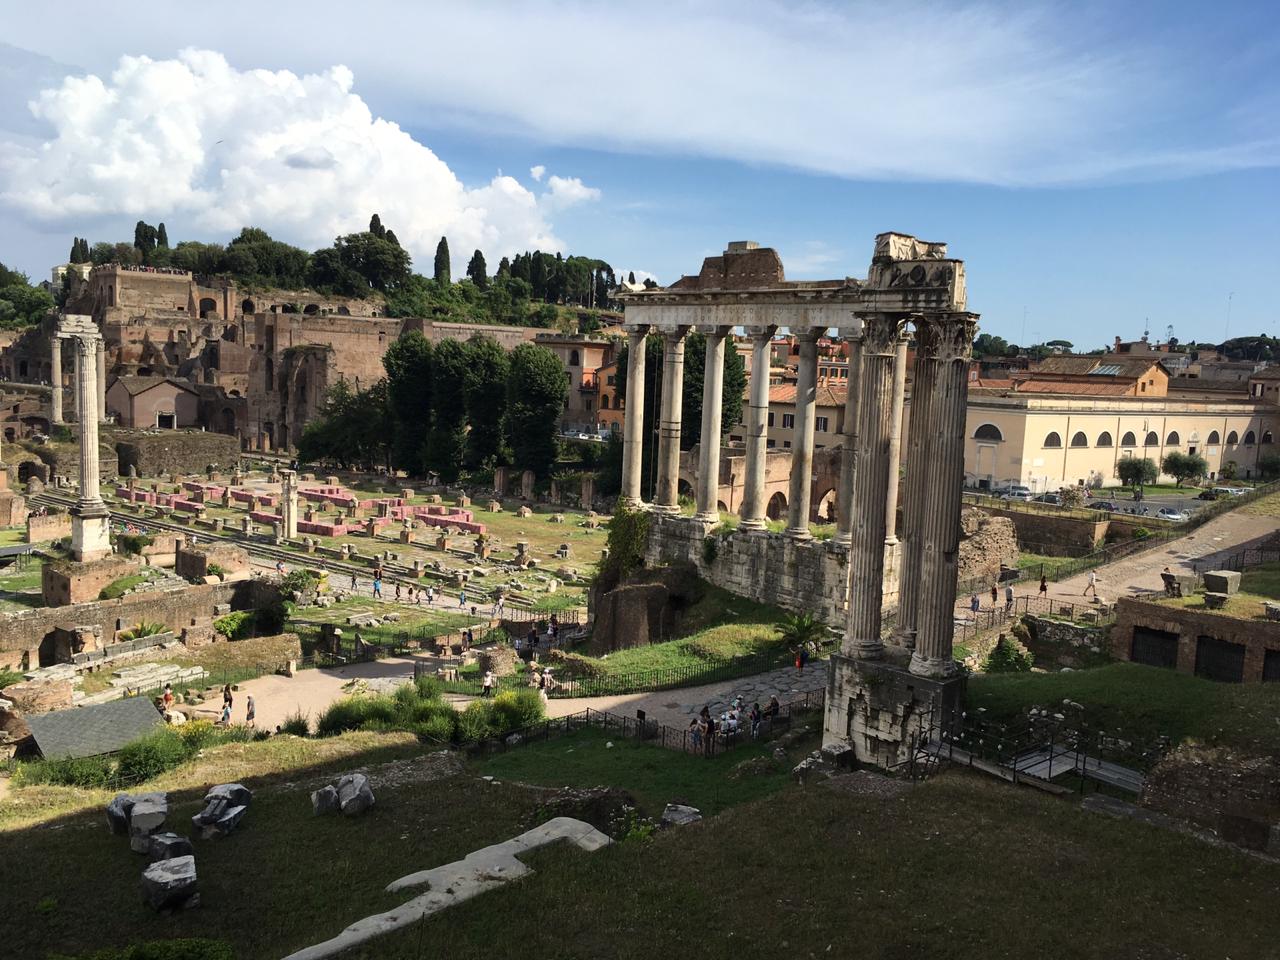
[504, 268]
[162, 237]
[1063, 344]
[477, 270]
[631, 276]
[442, 261]
[801, 630]
[536, 394]
[376, 227]
[144, 237]
[986, 345]
[488, 370]
[351, 428]
[1136, 471]
[735, 384]
[446, 443]
[359, 262]
[408, 366]
[21, 304]
[1268, 466]
[1184, 466]
[75, 251]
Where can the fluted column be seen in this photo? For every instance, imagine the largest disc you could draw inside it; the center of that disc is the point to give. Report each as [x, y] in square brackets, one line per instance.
[895, 440]
[844, 503]
[870, 487]
[753, 505]
[952, 339]
[90, 529]
[55, 377]
[289, 504]
[667, 496]
[633, 417]
[102, 378]
[913, 503]
[709, 443]
[801, 490]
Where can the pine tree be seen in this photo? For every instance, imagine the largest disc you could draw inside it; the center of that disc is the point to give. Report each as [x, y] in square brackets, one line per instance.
[392, 239]
[631, 276]
[478, 270]
[376, 227]
[162, 237]
[504, 267]
[442, 261]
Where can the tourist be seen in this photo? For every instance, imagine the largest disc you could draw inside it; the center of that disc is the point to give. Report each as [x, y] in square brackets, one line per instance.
[995, 595]
[250, 712]
[774, 708]
[1044, 586]
[709, 732]
[1008, 598]
[473, 609]
[431, 596]
[226, 696]
[167, 698]
[462, 599]
[975, 605]
[225, 719]
[377, 586]
[468, 639]
[397, 591]
[487, 684]
[353, 581]
[695, 734]
[1093, 585]
[756, 717]
[418, 598]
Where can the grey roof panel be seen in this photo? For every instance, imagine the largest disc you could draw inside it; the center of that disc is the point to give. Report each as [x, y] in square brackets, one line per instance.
[90, 731]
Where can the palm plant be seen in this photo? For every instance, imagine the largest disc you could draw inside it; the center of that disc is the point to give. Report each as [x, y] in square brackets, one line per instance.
[801, 630]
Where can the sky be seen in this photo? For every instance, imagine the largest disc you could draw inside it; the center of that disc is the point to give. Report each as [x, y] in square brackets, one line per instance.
[1101, 168]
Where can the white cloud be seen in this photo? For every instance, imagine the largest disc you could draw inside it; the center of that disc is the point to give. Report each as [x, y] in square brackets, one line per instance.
[201, 143]
[537, 172]
[813, 257]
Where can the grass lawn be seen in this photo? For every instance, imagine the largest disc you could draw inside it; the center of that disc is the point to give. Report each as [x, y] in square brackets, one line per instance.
[1268, 506]
[1256, 586]
[12, 536]
[444, 617]
[780, 871]
[1143, 701]
[20, 590]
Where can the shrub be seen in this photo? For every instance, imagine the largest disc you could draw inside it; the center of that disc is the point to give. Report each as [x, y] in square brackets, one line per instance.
[428, 687]
[237, 625]
[1008, 656]
[297, 724]
[574, 666]
[440, 728]
[116, 589]
[1141, 533]
[131, 544]
[84, 772]
[183, 949]
[142, 629]
[515, 709]
[9, 677]
[298, 583]
[152, 755]
[496, 635]
[473, 723]
[710, 550]
[215, 570]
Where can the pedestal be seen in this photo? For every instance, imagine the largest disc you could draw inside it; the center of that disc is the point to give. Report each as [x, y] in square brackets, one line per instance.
[90, 532]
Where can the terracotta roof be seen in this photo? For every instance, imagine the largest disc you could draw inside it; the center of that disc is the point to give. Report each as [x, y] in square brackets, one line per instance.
[1108, 365]
[1077, 388]
[1267, 373]
[990, 383]
[827, 396]
[136, 385]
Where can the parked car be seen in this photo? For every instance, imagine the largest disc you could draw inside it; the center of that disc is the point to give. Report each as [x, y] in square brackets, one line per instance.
[1102, 505]
[1050, 498]
[1018, 492]
[1172, 513]
[1215, 494]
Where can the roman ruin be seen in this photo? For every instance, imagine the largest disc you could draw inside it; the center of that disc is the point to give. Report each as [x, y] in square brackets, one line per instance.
[880, 693]
[90, 525]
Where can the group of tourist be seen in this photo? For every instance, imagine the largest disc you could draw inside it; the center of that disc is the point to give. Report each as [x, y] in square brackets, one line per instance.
[706, 727]
[167, 700]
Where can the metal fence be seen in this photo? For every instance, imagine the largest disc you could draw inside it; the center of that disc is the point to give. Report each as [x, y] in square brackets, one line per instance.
[993, 618]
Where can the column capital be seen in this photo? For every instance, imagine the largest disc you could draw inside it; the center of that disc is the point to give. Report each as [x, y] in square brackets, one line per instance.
[675, 335]
[948, 336]
[638, 332]
[881, 332]
[808, 336]
[762, 333]
[713, 330]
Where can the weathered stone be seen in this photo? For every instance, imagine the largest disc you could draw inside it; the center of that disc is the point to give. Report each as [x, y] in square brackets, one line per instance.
[150, 810]
[167, 846]
[355, 796]
[169, 884]
[118, 811]
[679, 814]
[237, 794]
[1226, 582]
[325, 800]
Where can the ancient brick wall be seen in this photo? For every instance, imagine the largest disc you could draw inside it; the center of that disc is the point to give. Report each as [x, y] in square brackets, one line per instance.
[55, 526]
[175, 451]
[1235, 795]
[987, 543]
[1053, 535]
[1258, 637]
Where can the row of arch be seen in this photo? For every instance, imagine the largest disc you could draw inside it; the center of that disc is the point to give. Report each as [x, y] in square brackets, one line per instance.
[989, 431]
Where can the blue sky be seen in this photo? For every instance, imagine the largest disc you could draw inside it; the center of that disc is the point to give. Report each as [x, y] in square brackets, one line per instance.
[1097, 167]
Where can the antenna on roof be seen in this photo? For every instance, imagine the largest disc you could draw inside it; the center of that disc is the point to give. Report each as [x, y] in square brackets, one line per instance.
[1168, 333]
[1146, 327]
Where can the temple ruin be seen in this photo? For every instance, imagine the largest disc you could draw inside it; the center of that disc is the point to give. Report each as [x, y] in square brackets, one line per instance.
[885, 684]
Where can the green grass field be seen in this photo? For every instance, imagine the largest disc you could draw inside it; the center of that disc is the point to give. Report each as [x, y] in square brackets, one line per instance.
[1257, 585]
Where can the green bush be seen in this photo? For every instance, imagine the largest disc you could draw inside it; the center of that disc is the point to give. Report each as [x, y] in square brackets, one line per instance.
[84, 772]
[473, 723]
[9, 677]
[428, 687]
[237, 625]
[1141, 533]
[116, 589]
[1008, 656]
[297, 724]
[140, 630]
[131, 544]
[515, 709]
[496, 635]
[152, 755]
[215, 570]
[440, 729]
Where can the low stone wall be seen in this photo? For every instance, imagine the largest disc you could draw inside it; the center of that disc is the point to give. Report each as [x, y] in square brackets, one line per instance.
[181, 608]
[175, 451]
[1235, 795]
[193, 562]
[810, 576]
[1053, 535]
[64, 582]
[55, 526]
[1259, 638]
[1065, 644]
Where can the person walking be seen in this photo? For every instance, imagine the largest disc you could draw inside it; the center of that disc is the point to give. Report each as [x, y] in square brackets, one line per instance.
[1093, 585]
[1008, 598]
[462, 599]
[377, 586]
[488, 683]
[975, 604]
[397, 591]
[250, 711]
[353, 581]
[995, 595]
[1044, 586]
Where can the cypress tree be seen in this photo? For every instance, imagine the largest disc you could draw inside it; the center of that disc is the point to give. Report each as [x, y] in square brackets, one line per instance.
[478, 270]
[162, 237]
[442, 261]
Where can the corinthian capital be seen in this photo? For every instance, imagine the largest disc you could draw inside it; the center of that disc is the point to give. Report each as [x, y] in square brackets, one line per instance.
[949, 337]
[880, 333]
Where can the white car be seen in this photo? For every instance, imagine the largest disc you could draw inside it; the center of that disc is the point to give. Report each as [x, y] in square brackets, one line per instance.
[1018, 492]
[1171, 513]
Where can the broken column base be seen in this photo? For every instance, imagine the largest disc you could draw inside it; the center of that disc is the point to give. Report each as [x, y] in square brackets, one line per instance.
[881, 710]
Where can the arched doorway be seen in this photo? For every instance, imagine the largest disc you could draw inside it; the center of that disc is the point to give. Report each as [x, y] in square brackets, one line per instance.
[777, 506]
[228, 420]
[208, 305]
[824, 510]
[55, 648]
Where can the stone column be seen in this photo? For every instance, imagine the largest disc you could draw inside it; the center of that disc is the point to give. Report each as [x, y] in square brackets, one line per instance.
[753, 505]
[870, 487]
[667, 496]
[709, 444]
[895, 440]
[289, 503]
[950, 338]
[90, 523]
[102, 379]
[844, 503]
[801, 490]
[913, 505]
[55, 377]
[633, 418]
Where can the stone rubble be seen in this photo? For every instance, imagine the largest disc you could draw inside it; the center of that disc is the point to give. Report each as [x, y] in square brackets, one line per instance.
[170, 884]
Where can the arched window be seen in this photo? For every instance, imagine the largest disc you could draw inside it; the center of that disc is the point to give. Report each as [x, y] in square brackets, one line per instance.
[1214, 438]
[988, 431]
[1250, 438]
[208, 305]
[111, 295]
[1053, 440]
[247, 307]
[1079, 439]
[1233, 438]
[1173, 439]
[1266, 436]
[573, 358]
[1129, 440]
[1104, 439]
[1153, 440]
[311, 309]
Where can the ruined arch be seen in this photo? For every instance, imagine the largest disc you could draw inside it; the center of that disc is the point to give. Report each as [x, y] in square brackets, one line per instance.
[344, 310]
[311, 309]
[776, 509]
[684, 488]
[208, 305]
[247, 308]
[825, 508]
[722, 506]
